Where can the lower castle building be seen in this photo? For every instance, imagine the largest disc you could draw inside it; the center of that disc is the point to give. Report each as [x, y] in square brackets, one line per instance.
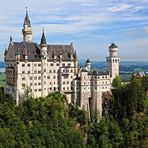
[46, 68]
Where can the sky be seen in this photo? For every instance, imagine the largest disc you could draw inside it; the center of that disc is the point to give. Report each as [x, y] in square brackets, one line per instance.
[91, 25]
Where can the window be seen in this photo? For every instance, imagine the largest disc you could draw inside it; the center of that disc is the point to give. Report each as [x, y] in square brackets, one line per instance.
[35, 78]
[69, 64]
[71, 70]
[23, 71]
[23, 84]
[23, 65]
[63, 88]
[39, 89]
[28, 65]
[67, 82]
[63, 64]
[39, 71]
[39, 83]
[51, 64]
[23, 78]
[30, 78]
[28, 71]
[35, 65]
[58, 64]
[39, 64]
[67, 88]
[35, 90]
[63, 82]
[44, 70]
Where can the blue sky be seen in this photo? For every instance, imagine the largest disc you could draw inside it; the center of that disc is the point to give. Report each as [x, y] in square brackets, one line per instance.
[90, 24]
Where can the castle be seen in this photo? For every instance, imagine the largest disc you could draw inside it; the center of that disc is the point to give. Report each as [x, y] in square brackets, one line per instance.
[46, 68]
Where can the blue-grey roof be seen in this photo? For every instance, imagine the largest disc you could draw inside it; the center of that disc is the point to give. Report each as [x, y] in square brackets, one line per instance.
[26, 20]
[98, 73]
[88, 61]
[113, 46]
[33, 51]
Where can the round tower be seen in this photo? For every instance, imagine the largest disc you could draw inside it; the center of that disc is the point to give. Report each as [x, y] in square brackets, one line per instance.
[88, 65]
[27, 31]
[113, 61]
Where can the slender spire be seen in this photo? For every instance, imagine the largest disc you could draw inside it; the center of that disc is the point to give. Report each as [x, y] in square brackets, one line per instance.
[10, 38]
[75, 55]
[26, 20]
[43, 39]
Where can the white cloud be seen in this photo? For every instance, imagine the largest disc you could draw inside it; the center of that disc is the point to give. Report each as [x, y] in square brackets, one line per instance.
[71, 18]
[146, 29]
[125, 7]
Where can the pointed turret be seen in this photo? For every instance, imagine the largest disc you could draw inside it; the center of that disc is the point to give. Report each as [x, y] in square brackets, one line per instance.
[43, 43]
[26, 20]
[43, 40]
[27, 31]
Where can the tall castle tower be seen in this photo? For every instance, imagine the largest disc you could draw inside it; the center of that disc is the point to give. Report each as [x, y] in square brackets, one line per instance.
[27, 31]
[44, 56]
[113, 61]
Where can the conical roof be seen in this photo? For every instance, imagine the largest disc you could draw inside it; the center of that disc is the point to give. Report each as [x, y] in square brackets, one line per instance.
[26, 20]
[88, 61]
[113, 46]
[43, 39]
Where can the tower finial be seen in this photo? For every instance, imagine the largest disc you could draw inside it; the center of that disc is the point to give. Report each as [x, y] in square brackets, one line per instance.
[26, 9]
[10, 38]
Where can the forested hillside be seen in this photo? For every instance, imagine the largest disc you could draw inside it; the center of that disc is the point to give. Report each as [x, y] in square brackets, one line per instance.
[51, 122]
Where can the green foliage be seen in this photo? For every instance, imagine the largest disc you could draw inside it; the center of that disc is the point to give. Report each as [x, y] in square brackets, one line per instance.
[117, 82]
[52, 122]
[129, 109]
[41, 122]
[145, 82]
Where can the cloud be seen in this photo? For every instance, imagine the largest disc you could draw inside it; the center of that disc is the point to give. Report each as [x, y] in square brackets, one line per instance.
[146, 29]
[74, 20]
[125, 7]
